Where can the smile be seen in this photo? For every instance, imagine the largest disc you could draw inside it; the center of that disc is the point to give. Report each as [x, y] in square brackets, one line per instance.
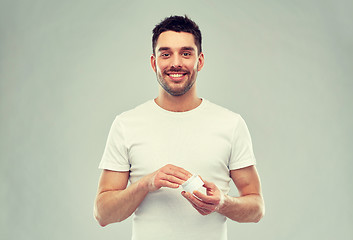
[176, 75]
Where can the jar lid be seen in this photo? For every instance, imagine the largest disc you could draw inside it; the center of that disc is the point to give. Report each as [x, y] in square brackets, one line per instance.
[192, 184]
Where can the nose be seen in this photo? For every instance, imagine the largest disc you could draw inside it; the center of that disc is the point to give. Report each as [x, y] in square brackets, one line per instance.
[176, 61]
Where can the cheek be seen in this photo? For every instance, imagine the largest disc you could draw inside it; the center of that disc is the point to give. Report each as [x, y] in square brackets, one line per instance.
[194, 66]
[161, 66]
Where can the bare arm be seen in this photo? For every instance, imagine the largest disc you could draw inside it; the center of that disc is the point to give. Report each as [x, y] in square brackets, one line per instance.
[249, 207]
[113, 196]
[115, 201]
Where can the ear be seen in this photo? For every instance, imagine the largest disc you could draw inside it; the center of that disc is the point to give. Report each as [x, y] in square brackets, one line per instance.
[201, 62]
[153, 63]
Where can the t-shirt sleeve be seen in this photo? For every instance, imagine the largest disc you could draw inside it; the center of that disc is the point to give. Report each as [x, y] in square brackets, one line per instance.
[242, 154]
[115, 156]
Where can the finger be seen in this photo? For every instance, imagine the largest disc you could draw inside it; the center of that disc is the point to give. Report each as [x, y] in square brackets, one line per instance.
[176, 172]
[208, 185]
[211, 188]
[203, 210]
[185, 172]
[198, 203]
[163, 180]
[200, 210]
[164, 183]
[192, 199]
[207, 199]
[172, 179]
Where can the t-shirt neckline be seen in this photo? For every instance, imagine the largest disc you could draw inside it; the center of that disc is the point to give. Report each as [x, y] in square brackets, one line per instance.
[192, 111]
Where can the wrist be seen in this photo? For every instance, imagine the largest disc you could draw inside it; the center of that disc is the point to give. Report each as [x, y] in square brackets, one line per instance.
[143, 185]
[223, 203]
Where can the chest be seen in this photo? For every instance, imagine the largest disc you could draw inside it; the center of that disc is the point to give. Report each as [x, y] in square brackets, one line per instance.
[198, 148]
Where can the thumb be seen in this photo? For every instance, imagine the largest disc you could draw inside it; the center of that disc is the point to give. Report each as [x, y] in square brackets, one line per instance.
[206, 184]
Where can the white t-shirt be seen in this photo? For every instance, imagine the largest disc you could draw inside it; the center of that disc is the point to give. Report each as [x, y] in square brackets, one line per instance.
[208, 141]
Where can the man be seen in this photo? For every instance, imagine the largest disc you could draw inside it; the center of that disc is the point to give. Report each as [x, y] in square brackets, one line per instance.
[160, 144]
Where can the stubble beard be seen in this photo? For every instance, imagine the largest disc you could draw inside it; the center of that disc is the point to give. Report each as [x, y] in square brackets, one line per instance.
[176, 91]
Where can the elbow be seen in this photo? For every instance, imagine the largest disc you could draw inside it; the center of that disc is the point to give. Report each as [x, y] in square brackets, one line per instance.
[100, 221]
[259, 217]
[104, 220]
[260, 212]
[98, 218]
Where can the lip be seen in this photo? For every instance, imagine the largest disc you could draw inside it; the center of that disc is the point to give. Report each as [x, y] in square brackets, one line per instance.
[176, 76]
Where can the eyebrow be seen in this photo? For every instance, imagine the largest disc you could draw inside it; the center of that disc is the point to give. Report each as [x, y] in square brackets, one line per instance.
[183, 48]
[188, 48]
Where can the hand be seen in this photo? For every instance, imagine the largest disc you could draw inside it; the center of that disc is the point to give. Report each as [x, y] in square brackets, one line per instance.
[168, 176]
[206, 204]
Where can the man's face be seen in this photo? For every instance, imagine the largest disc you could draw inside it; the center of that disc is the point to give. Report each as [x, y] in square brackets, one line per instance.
[176, 62]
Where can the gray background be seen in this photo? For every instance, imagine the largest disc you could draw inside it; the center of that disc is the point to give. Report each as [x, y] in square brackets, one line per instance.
[68, 67]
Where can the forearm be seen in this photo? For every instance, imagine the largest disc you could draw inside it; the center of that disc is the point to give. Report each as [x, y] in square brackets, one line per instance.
[249, 208]
[116, 202]
[117, 205]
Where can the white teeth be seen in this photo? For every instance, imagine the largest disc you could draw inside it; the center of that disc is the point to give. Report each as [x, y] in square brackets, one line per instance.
[176, 75]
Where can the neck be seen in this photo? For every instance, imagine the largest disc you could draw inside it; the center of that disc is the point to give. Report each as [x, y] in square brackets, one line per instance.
[183, 103]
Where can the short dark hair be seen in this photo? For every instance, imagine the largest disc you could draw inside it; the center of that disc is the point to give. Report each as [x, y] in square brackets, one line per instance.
[177, 24]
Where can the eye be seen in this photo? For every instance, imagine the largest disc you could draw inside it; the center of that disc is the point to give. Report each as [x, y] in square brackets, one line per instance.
[186, 54]
[165, 55]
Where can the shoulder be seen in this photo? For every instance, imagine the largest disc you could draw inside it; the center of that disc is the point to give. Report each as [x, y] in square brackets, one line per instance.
[133, 116]
[222, 113]
[136, 112]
